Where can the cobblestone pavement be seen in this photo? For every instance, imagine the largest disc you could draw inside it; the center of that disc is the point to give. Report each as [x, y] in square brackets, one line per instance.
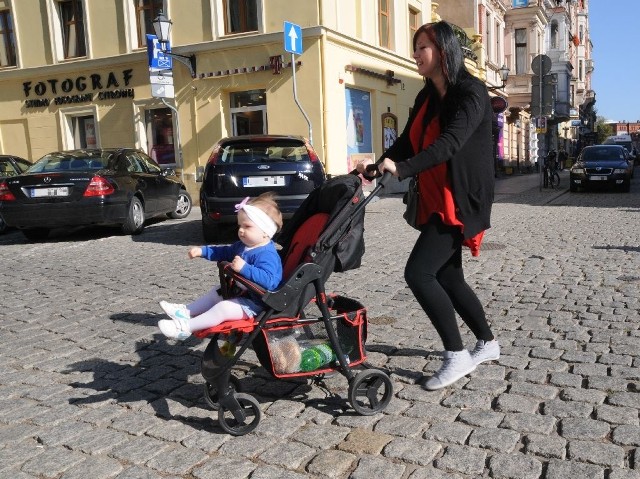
[89, 388]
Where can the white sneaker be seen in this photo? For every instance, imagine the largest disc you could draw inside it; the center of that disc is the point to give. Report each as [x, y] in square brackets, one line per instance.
[175, 310]
[485, 351]
[456, 365]
[175, 328]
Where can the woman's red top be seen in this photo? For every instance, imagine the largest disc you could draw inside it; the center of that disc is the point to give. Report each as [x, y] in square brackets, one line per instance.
[434, 185]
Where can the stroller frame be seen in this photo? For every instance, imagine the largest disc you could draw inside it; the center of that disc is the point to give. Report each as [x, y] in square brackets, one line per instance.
[370, 390]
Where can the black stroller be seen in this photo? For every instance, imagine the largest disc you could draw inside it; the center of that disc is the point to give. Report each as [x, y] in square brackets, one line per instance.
[324, 235]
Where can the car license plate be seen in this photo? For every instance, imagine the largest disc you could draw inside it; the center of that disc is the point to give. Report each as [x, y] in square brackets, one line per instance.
[257, 181]
[49, 192]
[598, 178]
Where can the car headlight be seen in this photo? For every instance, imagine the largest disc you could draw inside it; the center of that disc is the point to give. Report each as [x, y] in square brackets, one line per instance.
[578, 171]
[619, 171]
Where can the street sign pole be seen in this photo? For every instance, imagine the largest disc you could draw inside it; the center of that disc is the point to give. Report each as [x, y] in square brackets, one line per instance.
[293, 33]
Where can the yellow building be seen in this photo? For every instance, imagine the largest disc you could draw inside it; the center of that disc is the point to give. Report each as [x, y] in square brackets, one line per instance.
[76, 74]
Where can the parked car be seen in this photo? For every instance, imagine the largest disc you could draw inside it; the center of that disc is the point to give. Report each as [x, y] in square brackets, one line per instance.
[112, 186]
[602, 165]
[249, 165]
[11, 166]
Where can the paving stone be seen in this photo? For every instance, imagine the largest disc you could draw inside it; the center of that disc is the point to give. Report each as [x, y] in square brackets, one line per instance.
[529, 423]
[138, 450]
[626, 435]
[177, 460]
[249, 446]
[533, 390]
[414, 451]
[481, 418]
[332, 463]
[578, 428]
[321, 436]
[566, 469]
[224, 467]
[561, 409]
[432, 412]
[590, 396]
[369, 467]
[499, 440]
[624, 399]
[401, 426]
[607, 455]
[95, 467]
[606, 383]
[455, 433]
[545, 445]
[462, 459]
[431, 473]
[291, 455]
[361, 441]
[617, 414]
[52, 462]
[515, 466]
[566, 380]
[468, 399]
[624, 474]
[517, 403]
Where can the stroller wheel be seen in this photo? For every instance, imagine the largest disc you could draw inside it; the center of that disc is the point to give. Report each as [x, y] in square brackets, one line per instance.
[370, 391]
[211, 393]
[235, 422]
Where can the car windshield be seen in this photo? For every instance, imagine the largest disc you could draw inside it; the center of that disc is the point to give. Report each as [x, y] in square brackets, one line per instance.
[602, 154]
[251, 152]
[65, 162]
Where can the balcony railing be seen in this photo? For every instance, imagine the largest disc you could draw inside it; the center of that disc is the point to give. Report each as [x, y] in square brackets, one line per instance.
[465, 43]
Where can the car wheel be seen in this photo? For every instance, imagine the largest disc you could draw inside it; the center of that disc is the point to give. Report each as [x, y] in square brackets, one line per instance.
[36, 234]
[183, 207]
[135, 219]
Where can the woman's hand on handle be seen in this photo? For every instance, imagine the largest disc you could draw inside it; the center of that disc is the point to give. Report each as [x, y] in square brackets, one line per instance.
[388, 165]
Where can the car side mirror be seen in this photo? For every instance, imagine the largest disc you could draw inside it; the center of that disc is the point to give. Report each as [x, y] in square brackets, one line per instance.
[168, 172]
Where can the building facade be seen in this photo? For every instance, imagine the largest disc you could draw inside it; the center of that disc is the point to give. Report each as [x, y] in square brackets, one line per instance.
[76, 74]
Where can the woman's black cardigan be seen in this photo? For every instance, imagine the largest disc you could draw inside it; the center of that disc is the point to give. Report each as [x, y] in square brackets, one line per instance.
[465, 142]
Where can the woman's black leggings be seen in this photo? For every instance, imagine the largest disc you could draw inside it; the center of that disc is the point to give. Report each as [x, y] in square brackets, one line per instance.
[434, 275]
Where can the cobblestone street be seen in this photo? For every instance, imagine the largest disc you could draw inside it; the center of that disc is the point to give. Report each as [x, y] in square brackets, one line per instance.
[90, 388]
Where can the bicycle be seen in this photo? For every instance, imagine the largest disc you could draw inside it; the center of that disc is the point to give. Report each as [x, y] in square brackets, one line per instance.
[551, 176]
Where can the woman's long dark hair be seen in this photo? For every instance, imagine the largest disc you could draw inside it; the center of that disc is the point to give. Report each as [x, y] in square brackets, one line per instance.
[443, 37]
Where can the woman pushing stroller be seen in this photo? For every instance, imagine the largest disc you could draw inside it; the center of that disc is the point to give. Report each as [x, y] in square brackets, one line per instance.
[447, 146]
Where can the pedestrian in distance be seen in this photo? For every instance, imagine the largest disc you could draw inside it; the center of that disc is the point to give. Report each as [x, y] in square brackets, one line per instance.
[254, 256]
[447, 146]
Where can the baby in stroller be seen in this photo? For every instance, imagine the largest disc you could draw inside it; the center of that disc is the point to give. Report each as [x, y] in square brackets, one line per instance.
[254, 256]
[325, 235]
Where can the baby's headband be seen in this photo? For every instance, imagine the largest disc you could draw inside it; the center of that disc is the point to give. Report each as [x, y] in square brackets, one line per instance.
[259, 217]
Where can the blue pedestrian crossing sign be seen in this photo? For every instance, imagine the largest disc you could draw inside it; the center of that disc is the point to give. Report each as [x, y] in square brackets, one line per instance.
[292, 38]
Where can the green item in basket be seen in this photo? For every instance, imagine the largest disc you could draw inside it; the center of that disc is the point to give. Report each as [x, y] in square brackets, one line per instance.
[315, 357]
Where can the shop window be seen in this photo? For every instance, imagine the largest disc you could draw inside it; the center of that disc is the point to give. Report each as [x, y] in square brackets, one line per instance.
[72, 27]
[82, 130]
[146, 12]
[7, 40]
[249, 112]
[159, 128]
[384, 23]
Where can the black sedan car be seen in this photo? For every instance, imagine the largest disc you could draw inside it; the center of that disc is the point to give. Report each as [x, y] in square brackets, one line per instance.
[11, 166]
[250, 165]
[602, 166]
[111, 186]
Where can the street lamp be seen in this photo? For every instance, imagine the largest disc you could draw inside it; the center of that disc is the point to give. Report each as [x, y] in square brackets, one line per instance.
[504, 74]
[162, 26]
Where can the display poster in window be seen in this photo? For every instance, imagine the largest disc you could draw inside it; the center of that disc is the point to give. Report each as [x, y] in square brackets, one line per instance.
[90, 132]
[358, 120]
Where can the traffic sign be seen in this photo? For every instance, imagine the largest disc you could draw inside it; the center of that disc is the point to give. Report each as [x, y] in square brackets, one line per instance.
[292, 38]
[162, 91]
[158, 59]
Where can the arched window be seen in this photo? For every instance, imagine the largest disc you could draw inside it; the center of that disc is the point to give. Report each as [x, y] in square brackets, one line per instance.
[554, 34]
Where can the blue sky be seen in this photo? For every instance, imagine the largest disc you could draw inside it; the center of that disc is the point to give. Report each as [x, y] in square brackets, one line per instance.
[614, 26]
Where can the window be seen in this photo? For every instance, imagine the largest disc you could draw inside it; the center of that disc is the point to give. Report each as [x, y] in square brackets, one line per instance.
[7, 40]
[580, 69]
[249, 112]
[521, 51]
[554, 34]
[159, 132]
[413, 26]
[384, 19]
[489, 34]
[146, 12]
[240, 16]
[72, 21]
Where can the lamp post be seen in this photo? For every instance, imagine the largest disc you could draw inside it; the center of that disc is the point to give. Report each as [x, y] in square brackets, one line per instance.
[162, 26]
[504, 74]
